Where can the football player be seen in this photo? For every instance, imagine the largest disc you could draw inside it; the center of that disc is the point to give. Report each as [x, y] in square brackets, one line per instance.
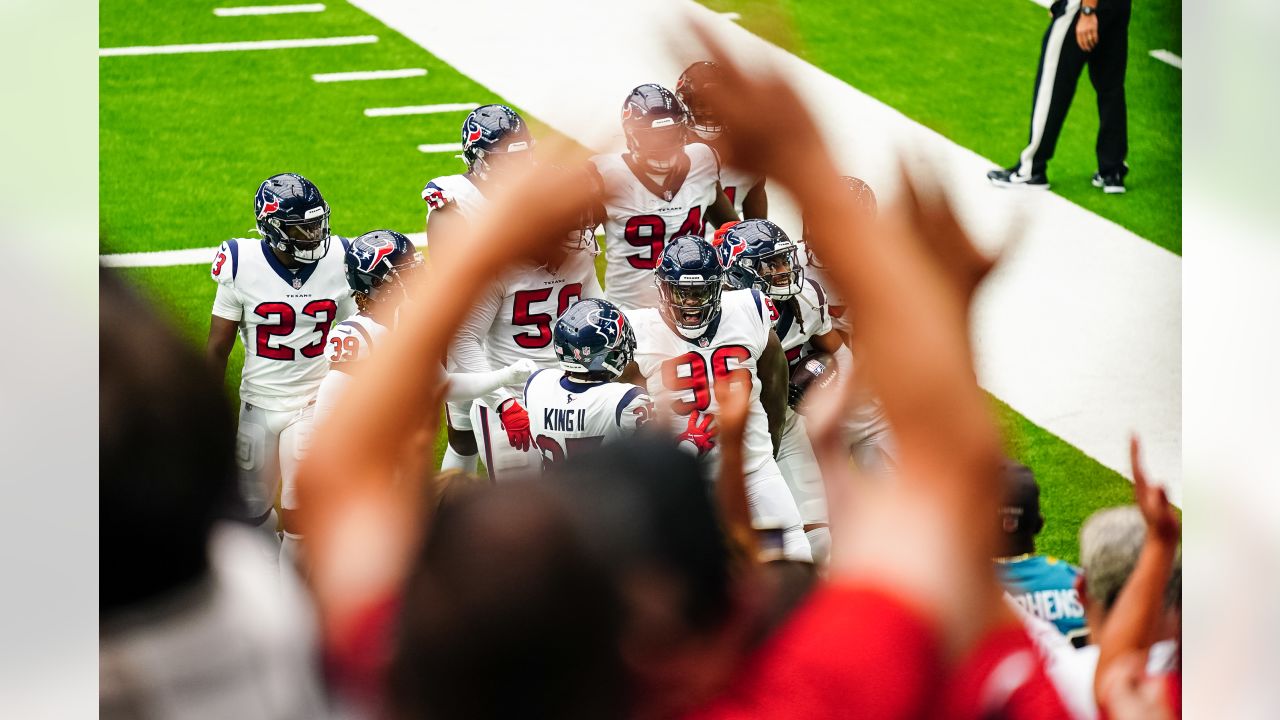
[868, 429]
[745, 190]
[494, 138]
[659, 188]
[758, 254]
[378, 265]
[579, 406]
[699, 337]
[513, 320]
[282, 294]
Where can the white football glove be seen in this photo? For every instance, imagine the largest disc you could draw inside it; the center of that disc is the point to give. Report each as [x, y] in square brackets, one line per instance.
[519, 371]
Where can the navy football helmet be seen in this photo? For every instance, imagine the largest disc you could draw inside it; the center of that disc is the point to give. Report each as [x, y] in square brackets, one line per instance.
[758, 254]
[376, 260]
[690, 280]
[293, 217]
[491, 132]
[656, 125]
[593, 336]
[863, 198]
[691, 89]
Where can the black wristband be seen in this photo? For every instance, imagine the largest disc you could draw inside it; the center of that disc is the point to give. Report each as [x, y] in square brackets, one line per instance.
[1087, 10]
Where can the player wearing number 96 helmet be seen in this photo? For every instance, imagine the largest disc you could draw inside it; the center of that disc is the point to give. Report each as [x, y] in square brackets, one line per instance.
[281, 294]
[700, 338]
[578, 406]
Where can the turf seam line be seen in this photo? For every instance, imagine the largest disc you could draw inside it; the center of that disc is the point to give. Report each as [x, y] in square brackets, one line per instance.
[369, 75]
[237, 46]
[420, 109]
[268, 10]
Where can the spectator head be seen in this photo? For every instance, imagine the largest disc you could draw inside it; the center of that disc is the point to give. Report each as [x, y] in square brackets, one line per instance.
[1110, 542]
[166, 449]
[1020, 518]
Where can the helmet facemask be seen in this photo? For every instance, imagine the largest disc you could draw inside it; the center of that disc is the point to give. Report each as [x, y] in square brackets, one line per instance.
[704, 122]
[305, 240]
[780, 274]
[691, 303]
[492, 165]
[657, 148]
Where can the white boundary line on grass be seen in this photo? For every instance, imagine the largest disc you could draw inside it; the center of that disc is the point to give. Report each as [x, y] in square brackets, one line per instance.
[440, 147]
[1079, 329]
[193, 256]
[1165, 56]
[368, 75]
[237, 46]
[268, 10]
[420, 109]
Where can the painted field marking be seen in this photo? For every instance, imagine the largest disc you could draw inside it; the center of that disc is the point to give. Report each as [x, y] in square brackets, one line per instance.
[420, 109]
[440, 147]
[192, 256]
[268, 10]
[237, 46]
[1165, 56]
[368, 75]
[731, 16]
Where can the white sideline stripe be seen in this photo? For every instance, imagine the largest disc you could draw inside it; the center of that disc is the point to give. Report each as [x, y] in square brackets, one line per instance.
[1043, 3]
[237, 46]
[420, 109]
[1080, 327]
[440, 147]
[1165, 56]
[191, 256]
[368, 75]
[268, 10]
[731, 16]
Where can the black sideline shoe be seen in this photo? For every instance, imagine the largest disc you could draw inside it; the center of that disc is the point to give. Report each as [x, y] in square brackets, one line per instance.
[1010, 178]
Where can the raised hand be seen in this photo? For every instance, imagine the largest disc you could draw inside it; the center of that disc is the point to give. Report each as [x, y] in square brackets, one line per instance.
[1162, 522]
[700, 433]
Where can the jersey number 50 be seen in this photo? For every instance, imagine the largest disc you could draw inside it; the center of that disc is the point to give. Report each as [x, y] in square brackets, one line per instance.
[698, 381]
[522, 304]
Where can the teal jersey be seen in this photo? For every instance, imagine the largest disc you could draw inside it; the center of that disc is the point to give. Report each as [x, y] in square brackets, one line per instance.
[1045, 587]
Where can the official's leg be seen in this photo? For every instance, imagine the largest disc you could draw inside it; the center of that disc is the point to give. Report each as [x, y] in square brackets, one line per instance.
[769, 498]
[800, 470]
[1061, 61]
[1107, 65]
[501, 460]
[295, 440]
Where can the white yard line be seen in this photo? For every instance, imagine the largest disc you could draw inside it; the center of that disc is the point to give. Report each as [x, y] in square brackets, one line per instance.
[420, 109]
[268, 10]
[1079, 329]
[237, 46]
[193, 256]
[1043, 3]
[440, 147]
[1165, 56]
[731, 16]
[369, 75]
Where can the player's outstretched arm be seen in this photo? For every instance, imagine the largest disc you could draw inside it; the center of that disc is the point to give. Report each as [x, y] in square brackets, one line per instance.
[222, 337]
[774, 387]
[755, 206]
[721, 211]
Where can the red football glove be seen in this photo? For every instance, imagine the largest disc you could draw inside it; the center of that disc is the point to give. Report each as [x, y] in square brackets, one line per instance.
[515, 420]
[699, 435]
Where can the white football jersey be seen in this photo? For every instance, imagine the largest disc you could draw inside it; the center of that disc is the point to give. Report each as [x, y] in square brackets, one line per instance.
[736, 184]
[642, 217]
[567, 417]
[350, 342]
[514, 318]
[285, 317]
[457, 191]
[795, 330]
[835, 304]
[682, 373]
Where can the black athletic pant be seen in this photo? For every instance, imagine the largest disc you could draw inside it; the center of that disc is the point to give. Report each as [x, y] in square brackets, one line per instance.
[1061, 61]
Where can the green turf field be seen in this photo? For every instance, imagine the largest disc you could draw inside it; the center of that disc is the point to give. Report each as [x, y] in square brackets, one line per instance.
[967, 70]
[185, 140]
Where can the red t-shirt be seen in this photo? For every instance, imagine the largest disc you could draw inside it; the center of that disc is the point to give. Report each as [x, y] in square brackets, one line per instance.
[847, 651]
[1002, 677]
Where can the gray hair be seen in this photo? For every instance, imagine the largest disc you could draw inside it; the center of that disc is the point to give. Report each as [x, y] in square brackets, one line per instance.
[1110, 541]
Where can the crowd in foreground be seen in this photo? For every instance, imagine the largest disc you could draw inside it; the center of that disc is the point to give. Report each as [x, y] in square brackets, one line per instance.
[632, 579]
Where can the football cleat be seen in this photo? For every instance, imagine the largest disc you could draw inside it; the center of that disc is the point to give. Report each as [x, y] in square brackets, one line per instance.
[1012, 178]
[691, 90]
[494, 135]
[377, 261]
[758, 254]
[656, 127]
[690, 280]
[863, 197]
[593, 336]
[293, 217]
